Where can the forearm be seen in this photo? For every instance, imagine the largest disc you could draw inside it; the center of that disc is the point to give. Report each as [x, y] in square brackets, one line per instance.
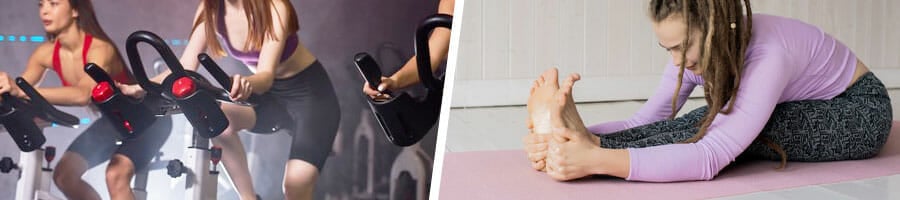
[65, 96]
[161, 77]
[439, 44]
[261, 82]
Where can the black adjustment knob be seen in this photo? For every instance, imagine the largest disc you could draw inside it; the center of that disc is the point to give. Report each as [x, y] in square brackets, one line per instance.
[175, 168]
[7, 165]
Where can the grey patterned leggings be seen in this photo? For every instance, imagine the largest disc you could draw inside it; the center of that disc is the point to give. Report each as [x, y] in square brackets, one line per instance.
[853, 125]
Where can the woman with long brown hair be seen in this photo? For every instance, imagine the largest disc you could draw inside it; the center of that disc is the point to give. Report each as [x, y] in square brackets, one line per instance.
[776, 88]
[286, 78]
[74, 39]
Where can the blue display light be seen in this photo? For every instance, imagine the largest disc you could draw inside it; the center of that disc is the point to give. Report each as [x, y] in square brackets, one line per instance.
[37, 38]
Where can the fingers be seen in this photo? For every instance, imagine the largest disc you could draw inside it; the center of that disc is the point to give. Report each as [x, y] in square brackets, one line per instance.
[536, 148]
[558, 170]
[563, 134]
[240, 88]
[5, 83]
[247, 90]
[369, 91]
[134, 91]
[378, 93]
[533, 138]
[235, 86]
[539, 165]
[537, 156]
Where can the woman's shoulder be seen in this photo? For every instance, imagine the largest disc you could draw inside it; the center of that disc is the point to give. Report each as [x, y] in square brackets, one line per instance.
[101, 47]
[43, 54]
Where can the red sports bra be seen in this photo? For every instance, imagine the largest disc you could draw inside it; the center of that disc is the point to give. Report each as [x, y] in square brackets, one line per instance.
[57, 65]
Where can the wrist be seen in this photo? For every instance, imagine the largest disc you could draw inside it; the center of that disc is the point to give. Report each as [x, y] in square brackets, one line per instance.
[398, 81]
[613, 162]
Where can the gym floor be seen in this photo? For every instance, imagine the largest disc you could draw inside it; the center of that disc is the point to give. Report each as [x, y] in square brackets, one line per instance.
[491, 128]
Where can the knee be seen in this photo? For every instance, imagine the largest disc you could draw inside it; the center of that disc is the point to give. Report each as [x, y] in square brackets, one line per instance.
[66, 174]
[299, 178]
[239, 118]
[120, 170]
[63, 177]
[295, 183]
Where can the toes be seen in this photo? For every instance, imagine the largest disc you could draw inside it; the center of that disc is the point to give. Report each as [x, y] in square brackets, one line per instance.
[551, 76]
[570, 83]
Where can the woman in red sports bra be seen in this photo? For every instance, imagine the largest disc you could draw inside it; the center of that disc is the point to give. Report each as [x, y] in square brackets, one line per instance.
[74, 39]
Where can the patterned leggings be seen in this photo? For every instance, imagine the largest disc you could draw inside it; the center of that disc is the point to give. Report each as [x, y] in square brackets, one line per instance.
[853, 125]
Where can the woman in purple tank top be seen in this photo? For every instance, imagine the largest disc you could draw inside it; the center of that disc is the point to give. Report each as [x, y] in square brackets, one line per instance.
[288, 82]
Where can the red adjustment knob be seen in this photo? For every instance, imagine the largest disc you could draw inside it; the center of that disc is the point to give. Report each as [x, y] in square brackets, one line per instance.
[127, 126]
[183, 87]
[215, 154]
[102, 92]
[49, 153]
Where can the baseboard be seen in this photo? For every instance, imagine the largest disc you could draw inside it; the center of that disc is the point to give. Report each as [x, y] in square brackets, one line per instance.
[514, 92]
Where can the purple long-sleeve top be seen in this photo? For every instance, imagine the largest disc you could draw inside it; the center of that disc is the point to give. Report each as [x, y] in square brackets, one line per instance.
[787, 60]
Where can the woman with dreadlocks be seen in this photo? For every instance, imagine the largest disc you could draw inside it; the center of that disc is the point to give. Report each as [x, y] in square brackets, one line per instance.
[776, 88]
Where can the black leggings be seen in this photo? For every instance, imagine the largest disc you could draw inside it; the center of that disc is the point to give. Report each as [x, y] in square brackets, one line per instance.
[853, 125]
[309, 101]
[98, 142]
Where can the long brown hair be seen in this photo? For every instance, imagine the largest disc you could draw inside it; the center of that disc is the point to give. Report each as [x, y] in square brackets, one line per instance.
[259, 21]
[726, 27]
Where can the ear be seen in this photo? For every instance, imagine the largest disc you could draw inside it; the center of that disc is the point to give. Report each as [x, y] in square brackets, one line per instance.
[75, 13]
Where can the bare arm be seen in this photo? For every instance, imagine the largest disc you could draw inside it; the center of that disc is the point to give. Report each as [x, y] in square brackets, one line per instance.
[439, 45]
[196, 45]
[34, 71]
[79, 93]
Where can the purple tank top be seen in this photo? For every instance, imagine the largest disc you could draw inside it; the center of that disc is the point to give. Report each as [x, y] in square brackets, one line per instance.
[251, 58]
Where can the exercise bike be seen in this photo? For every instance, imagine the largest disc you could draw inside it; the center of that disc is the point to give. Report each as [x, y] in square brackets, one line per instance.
[406, 120]
[199, 100]
[18, 118]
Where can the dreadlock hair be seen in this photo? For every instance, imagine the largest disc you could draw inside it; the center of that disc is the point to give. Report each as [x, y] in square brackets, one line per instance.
[725, 27]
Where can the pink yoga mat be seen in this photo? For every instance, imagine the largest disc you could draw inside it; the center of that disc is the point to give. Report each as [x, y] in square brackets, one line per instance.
[508, 175]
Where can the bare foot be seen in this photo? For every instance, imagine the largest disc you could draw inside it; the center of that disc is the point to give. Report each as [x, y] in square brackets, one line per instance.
[567, 115]
[543, 99]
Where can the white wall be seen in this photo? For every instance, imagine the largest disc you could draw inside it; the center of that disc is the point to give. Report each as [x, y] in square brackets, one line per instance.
[504, 44]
